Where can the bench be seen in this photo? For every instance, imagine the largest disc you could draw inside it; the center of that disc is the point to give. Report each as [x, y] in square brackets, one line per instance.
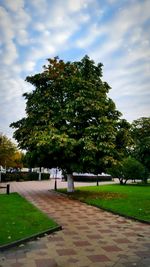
[7, 188]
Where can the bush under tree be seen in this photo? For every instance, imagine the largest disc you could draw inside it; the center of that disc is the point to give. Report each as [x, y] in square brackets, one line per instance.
[129, 169]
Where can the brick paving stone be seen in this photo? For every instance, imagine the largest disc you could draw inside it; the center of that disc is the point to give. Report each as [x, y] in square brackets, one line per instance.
[90, 249]
[56, 238]
[17, 264]
[63, 252]
[72, 260]
[42, 253]
[98, 258]
[46, 263]
[111, 248]
[81, 243]
[84, 227]
[132, 234]
[122, 256]
[107, 231]
[94, 236]
[122, 240]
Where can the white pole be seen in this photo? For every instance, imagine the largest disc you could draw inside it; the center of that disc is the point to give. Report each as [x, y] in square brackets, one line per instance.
[70, 183]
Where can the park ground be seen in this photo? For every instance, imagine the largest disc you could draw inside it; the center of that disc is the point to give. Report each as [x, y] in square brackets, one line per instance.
[90, 236]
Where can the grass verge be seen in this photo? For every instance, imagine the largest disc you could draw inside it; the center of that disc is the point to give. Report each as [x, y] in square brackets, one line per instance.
[128, 200]
[19, 219]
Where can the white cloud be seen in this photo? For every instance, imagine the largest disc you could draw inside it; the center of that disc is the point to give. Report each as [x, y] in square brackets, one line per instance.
[40, 7]
[7, 32]
[55, 31]
[11, 87]
[15, 21]
[117, 30]
[14, 6]
[77, 5]
[134, 106]
[28, 66]
[10, 54]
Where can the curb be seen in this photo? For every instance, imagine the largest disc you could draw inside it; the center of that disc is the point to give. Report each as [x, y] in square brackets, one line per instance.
[32, 237]
[120, 214]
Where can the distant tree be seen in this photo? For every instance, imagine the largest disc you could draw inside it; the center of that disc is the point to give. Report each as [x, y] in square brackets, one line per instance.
[128, 169]
[7, 151]
[17, 160]
[140, 131]
[71, 123]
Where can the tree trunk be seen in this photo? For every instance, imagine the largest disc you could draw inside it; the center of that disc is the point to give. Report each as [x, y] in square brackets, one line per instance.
[70, 181]
[121, 181]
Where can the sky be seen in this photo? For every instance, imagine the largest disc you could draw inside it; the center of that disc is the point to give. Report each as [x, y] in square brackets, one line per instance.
[113, 32]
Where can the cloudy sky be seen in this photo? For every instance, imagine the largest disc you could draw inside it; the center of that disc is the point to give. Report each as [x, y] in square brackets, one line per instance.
[114, 32]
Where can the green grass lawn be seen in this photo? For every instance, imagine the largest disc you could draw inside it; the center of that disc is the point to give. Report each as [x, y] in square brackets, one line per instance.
[128, 200]
[20, 219]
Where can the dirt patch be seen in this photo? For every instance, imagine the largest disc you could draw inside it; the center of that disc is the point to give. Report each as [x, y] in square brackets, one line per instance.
[107, 195]
[85, 195]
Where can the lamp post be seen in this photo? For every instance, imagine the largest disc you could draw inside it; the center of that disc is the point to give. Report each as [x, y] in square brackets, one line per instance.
[40, 174]
[55, 187]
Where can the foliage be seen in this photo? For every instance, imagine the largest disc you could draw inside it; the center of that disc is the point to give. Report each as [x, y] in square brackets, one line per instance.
[10, 156]
[7, 151]
[71, 123]
[129, 200]
[17, 160]
[141, 128]
[140, 131]
[128, 169]
[20, 219]
[124, 139]
[36, 158]
[23, 176]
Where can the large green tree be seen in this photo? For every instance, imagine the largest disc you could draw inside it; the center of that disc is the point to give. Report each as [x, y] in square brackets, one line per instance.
[140, 131]
[71, 122]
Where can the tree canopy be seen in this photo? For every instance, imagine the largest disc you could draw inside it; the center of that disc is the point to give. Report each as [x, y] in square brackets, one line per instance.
[71, 122]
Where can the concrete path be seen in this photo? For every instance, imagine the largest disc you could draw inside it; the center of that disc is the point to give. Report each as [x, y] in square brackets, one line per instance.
[90, 237]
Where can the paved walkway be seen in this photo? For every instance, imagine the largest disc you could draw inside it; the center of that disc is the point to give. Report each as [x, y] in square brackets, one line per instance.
[90, 237]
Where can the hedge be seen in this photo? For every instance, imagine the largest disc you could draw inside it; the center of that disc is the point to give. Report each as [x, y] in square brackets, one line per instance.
[23, 176]
[92, 178]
